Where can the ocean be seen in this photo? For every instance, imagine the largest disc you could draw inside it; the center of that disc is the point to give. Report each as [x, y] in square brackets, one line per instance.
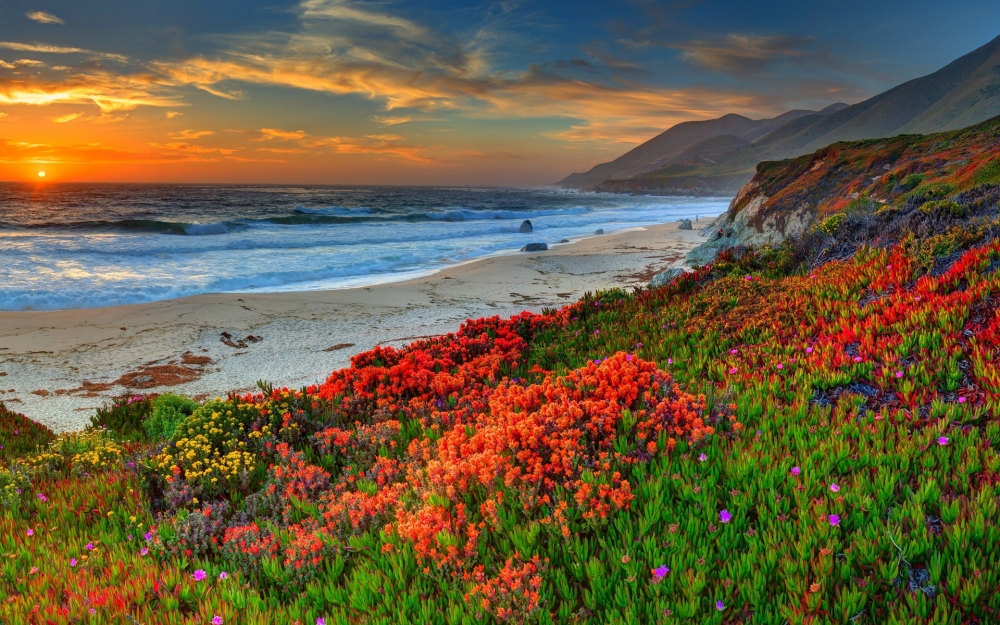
[66, 246]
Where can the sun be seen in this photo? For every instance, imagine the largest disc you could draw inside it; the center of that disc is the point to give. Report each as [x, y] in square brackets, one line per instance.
[41, 174]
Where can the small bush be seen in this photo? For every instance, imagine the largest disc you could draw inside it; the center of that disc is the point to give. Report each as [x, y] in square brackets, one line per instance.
[912, 181]
[831, 224]
[169, 411]
[124, 416]
[944, 207]
[988, 173]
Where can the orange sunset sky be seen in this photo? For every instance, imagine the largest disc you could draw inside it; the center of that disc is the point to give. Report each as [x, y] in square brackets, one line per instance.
[350, 92]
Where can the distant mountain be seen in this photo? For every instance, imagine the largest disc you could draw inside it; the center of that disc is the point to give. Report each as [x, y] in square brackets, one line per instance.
[667, 146]
[964, 92]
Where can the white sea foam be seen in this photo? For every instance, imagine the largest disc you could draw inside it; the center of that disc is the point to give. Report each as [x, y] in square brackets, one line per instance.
[49, 268]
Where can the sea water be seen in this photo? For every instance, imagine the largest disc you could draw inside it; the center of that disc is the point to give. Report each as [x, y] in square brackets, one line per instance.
[66, 246]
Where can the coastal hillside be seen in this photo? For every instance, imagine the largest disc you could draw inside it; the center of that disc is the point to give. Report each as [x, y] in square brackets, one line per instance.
[680, 143]
[873, 191]
[965, 92]
[804, 432]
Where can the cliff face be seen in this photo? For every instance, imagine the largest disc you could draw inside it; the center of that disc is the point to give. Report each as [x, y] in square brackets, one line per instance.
[881, 178]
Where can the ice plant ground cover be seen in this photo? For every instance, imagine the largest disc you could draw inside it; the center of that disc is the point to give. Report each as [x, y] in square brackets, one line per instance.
[761, 441]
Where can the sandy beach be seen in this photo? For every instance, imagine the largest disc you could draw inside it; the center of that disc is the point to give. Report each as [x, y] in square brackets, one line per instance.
[56, 367]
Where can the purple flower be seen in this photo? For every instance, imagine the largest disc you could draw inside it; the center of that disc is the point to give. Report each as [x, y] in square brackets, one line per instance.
[809, 350]
[719, 605]
[42, 498]
[732, 351]
[943, 440]
[703, 458]
[724, 516]
[748, 278]
[31, 532]
[148, 536]
[216, 620]
[834, 520]
[732, 371]
[670, 361]
[796, 470]
[660, 572]
[223, 575]
[835, 488]
[595, 332]
[321, 621]
[90, 546]
[143, 552]
[199, 575]
[961, 400]
[899, 374]
[72, 561]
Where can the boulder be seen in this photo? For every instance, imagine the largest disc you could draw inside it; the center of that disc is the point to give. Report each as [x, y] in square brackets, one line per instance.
[563, 241]
[535, 247]
[526, 226]
[599, 231]
[666, 277]
[685, 225]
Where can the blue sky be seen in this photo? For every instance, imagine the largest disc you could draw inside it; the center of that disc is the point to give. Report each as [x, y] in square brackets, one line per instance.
[511, 92]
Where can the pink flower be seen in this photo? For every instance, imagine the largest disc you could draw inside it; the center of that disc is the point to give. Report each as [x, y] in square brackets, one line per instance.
[670, 361]
[31, 532]
[961, 400]
[732, 351]
[781, 366]
[834, 520]
[660, 572]
[857, 359]
[216, 620]
[223, 575]
[724, 516]
[943, 440]
[90, 546]
[748, 278]
[321, 621]
[732, 371]
[796, 470]
[72, 561]
[143, 552]
[703, 458]
[42, 498]
[199, 575]
[719, 605]
[899, 374]
[834, 488]
[809, 350]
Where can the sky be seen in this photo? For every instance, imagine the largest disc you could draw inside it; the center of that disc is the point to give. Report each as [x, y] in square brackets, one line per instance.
[515, 92]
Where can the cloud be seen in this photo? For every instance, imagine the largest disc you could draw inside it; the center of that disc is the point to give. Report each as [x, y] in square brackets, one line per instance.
[109, 92]
[50, 49]
[14, 152]
[43, 18]
[28, 63]
[2, 115]
[192, 134]
[393, 121]
[173, 114]
[747, 54]
[389, 145]
[191, 148]
[67, 118]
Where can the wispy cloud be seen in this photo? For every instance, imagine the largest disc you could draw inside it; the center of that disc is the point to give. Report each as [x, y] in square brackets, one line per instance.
[67, 118]
[172, 114]
[43, 18]
[109, 92]
[386, 144]
[192, 134]
[748, 54]
[51, 49]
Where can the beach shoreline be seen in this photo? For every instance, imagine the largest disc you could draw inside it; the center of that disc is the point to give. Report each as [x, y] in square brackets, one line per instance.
[58, 366]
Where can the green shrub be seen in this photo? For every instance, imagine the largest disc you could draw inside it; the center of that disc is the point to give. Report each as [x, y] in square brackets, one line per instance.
[944, 207]
[934, 191]
[832, 223]
[169, 411]
[912, 181]
[124, 416]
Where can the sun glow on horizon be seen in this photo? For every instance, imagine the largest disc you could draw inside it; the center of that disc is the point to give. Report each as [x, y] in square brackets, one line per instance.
[41, 174]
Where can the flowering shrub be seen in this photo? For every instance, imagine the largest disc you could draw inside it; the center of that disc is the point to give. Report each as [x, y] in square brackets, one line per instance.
[168, 412]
